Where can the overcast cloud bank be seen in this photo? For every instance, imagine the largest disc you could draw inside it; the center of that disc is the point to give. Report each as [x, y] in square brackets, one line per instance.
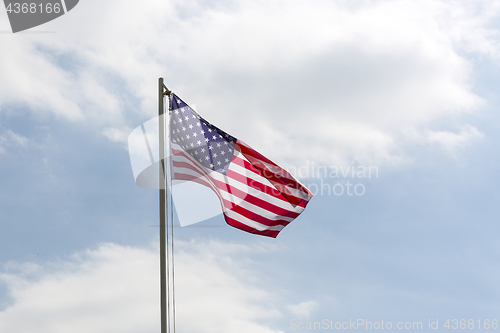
[116, 288]
[331, 81]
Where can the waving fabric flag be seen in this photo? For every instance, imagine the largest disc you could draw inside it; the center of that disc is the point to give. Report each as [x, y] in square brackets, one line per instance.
[256, 195]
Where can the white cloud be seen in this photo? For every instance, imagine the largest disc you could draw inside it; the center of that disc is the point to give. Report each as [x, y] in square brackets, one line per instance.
[451, 141]
[303, 309]
[328, 81]
[11, 139]
[115, 288]
[117, 134]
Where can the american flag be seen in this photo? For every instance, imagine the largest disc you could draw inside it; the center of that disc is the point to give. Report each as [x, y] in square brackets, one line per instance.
[256, 195]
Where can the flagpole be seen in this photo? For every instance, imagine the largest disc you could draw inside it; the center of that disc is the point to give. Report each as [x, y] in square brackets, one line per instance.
[167, 298]
[167, 277]
[163, 247]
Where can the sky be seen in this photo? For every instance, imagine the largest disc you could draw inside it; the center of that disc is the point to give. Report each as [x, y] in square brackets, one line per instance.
[406, 89]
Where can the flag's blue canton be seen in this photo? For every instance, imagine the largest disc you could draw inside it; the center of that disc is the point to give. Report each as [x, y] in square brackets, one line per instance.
[210, 146]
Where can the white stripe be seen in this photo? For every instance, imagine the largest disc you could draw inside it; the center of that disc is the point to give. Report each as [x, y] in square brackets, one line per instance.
[182, 159]
[240, 218]
[193, 173]
[256, 209]
[257, 193]
[185, 157]
[283, 173]
[198, 172]
[258, 178]
[207, 182]
[251, 223]
[242, 187]
[235, 199]
[297, 193]
[249, 174]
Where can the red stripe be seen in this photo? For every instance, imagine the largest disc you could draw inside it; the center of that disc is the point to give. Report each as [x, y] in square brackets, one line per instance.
[243, 163]
[245, 196]
[276, 192]
[279, 191]
[235, 208]
[273, 191]
[256, 201]
[203, 178]
[247, 165]
[187, 165]
[282, 176]
[184, 176]
[256, 159]
[244, 227]
[253, 216]
[256, 185]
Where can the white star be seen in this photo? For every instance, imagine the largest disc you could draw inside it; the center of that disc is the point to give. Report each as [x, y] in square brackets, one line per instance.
[207, 158]
[202, 132]
[210, 130]
[211, 166]
[202, 150]
[218, 145]
[225, 142]
[194, 116]
[198, 142]
[191, 126]
[176, 111]
[195, 134]
[206, 139]
[183, 128]
[210, 147]
[196, 152]
[192, 144]
[214, 137]
[178, 101]
[187, 118]
[227, 160]
[214, 155]
[223, 152]
[229, 150]
[218, 163]
[187, 136]
[198, 124]
[200, 160]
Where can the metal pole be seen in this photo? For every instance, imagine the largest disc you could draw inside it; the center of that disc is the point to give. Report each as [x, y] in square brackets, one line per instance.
[163, 247]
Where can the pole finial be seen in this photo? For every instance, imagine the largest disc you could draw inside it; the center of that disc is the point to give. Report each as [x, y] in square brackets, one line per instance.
[166, 92]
